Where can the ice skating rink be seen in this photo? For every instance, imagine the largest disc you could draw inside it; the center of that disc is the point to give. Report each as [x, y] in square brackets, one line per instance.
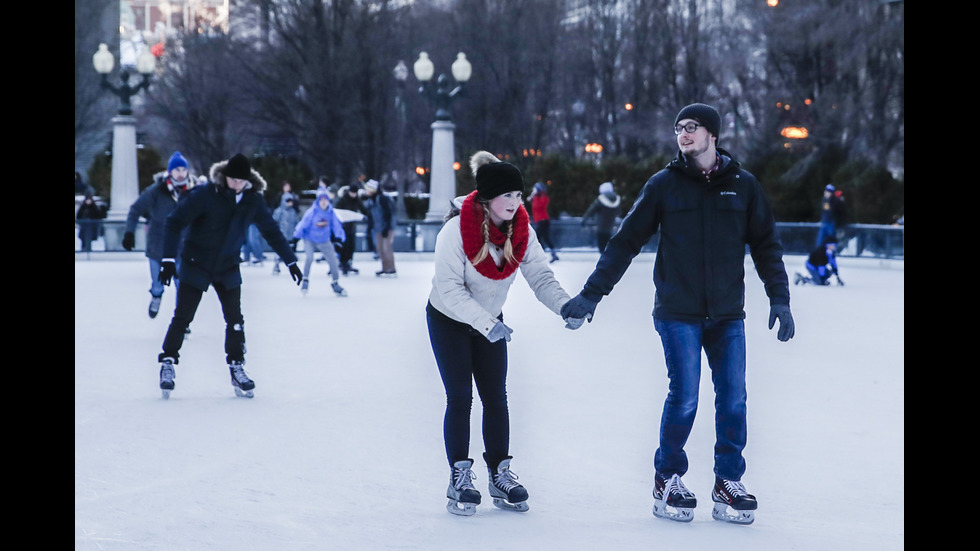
[341, 449]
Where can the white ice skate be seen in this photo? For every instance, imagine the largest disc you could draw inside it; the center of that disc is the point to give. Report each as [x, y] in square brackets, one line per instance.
[507, 494]
[672, 500]
[463, 497]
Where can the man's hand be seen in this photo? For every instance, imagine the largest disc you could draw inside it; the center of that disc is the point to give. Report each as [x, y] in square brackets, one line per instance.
[786, 326]
[168, 269]
[295, 272]
[575, 311]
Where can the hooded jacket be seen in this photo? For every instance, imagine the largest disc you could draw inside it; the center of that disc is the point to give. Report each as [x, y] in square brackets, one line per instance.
[217, 223]
[320, 225]
[705, 223]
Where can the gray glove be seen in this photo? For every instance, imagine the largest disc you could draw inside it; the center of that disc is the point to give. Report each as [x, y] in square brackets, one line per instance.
[499, 331]
[574, 323]
[786, 326]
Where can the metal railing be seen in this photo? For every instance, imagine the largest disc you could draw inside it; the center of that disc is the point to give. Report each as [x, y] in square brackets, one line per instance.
[858, 240]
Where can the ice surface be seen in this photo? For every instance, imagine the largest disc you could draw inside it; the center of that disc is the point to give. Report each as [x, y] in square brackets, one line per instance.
[341, 448]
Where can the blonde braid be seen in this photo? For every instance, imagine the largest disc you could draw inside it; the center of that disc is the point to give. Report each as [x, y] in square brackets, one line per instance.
[485, 230]
[509, 244]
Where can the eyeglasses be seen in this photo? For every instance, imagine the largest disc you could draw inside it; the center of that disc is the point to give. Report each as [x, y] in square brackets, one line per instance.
[690, 128]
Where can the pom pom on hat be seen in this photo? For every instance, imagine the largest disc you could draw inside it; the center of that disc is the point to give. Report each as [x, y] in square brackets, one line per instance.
[705, 114]
[238, 167]
[176, 160]
[494, 177]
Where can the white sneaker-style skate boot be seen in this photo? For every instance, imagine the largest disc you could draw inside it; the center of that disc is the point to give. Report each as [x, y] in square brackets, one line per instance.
[239, 380]
[672, 500]
[167, 375]
[732, 503]
[506, 492]
[463, 497]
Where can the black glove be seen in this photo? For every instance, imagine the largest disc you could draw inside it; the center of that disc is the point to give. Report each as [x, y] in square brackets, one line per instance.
[293, 242]
[786, 326]
[295, 272]
[576, 309]
[129, 241]
[168, 269]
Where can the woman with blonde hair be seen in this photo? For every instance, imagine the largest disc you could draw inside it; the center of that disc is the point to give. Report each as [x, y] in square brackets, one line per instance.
[486, 238]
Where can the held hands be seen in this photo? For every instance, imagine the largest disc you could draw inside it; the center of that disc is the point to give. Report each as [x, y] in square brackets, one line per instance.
[295, 272]
[577, 310]
[499, 331]
[168, 269]
[786, 326]
[129, 241]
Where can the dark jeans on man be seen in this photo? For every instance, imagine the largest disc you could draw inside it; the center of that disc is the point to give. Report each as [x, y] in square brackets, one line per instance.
[464, 356]
[188, 299]
[724, 345]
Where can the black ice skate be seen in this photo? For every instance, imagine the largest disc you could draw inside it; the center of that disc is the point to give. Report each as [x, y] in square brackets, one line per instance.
[463, 497]
[732, 503]
[305, 286]
[341, 292]
[240, 381]
[506, 492]
[799, 279]
[672, 500]
[166, 377]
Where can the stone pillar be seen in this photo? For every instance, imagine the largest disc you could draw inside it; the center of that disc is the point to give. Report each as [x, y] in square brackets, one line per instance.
[125, 179]
[442, 180]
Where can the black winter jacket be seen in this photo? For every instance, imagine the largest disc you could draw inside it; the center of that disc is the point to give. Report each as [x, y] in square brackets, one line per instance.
[704, 224]
[154, 204]
[216, 229]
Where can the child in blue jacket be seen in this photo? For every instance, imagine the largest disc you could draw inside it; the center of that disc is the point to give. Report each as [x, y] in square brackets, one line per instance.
[319, 229]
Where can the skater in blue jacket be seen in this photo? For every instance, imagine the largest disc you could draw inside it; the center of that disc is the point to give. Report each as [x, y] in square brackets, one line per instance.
[320, 229]
[821, 264]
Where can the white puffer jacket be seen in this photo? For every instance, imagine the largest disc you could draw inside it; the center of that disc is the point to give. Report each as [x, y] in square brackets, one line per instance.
[464, 294]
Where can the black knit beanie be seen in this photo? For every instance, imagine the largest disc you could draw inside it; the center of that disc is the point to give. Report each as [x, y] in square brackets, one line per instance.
[493, 179]
[238, 167]
[705, 114]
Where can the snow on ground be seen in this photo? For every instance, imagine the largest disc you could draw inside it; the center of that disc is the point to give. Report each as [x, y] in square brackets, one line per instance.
[341, 449]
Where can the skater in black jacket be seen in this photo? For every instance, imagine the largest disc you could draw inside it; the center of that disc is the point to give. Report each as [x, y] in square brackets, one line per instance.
[706, 209]
[217, 216]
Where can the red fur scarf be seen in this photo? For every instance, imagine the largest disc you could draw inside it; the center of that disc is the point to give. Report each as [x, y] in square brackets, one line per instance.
[471, 228]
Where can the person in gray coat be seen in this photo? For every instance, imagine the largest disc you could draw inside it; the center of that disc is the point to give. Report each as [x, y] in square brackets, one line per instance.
[155, 204]
[605, 209]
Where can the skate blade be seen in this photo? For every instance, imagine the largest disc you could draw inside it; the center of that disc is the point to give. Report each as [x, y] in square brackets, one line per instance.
[244, 393]
[460, 508]
[722, 512]
[679, 514]
[520, 506]
[166, 393]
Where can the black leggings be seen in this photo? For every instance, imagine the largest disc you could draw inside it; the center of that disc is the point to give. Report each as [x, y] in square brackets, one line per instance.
[188, 299]
[463, 356]
[543, 230]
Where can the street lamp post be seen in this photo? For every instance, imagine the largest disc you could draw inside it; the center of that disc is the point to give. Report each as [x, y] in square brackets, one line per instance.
[125, 175]
[400, 72]
[442, 182]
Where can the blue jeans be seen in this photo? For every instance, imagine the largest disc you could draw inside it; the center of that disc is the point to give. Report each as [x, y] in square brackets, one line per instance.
[156, 288]
[724, 345]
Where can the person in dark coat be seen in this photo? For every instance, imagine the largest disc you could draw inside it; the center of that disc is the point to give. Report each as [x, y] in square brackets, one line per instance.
[706, 209]
[89, 218]
[216, 216]
[821, 264]
[155, 204]
[605, 209]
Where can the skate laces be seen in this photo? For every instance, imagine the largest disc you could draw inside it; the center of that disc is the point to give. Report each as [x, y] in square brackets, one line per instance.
[676, 486]
[167, 369]
[734, 488]
[505, 480]
[463, 478]
[238, 372]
